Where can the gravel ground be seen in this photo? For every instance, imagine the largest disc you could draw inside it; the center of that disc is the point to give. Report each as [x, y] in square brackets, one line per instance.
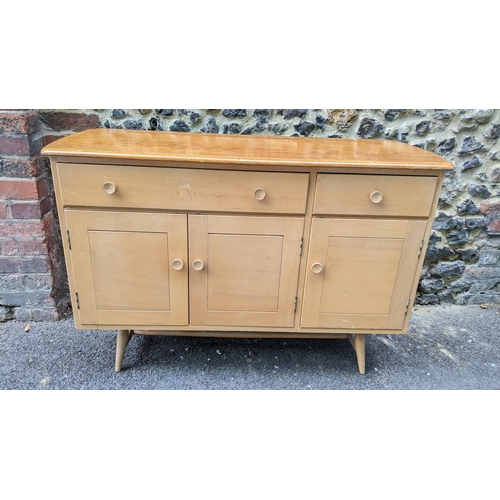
[447, 347]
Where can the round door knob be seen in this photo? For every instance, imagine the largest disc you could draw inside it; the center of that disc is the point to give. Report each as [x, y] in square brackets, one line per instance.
[376, 197]
[317, 267]
[198, 265]
[108, 187]
[259, 194]
[177, 264]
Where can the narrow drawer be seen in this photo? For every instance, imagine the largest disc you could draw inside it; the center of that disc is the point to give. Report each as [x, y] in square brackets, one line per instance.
[182, 189]
[374, 195]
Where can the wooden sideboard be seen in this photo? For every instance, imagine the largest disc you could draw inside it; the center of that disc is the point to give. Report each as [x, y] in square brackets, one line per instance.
[171, 233]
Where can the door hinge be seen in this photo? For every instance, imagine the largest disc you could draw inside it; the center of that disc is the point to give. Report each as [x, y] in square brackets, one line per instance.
[69, 239]
[301, 244]
[420, 249]
[407, 306]
[295, 304]
[77, 301]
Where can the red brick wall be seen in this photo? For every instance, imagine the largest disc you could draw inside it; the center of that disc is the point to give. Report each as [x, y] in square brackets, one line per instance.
[492, 209]
[33, 282]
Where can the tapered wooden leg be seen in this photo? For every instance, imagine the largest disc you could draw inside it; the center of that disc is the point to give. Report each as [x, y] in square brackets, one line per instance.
[122, 341]
[358, 342]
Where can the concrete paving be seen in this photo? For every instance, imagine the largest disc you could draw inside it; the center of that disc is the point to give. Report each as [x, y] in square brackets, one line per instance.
[447, 347]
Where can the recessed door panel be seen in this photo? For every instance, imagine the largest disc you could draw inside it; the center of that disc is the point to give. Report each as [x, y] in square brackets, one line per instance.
[360, 275]
[122, 263]
[130, 282]
[245, 272]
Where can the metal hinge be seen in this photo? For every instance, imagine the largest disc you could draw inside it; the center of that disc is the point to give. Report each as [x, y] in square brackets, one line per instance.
[69, 239]
[295, 304]
[420, 249]
[77, 301]
[301, 244]
[407, 305]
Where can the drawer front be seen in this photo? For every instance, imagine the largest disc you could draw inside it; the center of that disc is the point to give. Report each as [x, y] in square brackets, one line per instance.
[374, 195]
[182, 189]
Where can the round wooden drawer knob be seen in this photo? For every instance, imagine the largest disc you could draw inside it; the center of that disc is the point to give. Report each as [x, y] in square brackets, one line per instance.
[198, 265]
[376, 197]
[317, 267]
[259, 194]
[108, 187]
[177, 264]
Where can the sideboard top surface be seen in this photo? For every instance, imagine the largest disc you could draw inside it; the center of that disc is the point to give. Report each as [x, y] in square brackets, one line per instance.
[244, 149]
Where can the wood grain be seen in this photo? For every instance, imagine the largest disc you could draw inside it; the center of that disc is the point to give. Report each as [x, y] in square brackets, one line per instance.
[345, 194]
[251, 272]
[143, 207]
[244, 150]
[182, 189]
[367, 276]
[121, 263]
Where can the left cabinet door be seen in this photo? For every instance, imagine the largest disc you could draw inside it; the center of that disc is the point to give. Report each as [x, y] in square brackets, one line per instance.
[129, 268]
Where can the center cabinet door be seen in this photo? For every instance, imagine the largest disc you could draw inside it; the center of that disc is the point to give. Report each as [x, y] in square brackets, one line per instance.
[360, 272]
[244, 270]
[129, 268]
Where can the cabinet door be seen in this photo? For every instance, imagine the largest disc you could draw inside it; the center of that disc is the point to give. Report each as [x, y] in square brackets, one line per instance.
[360, 272]
[123, 267]
[244, 270]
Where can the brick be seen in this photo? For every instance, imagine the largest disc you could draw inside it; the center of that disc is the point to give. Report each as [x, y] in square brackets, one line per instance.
[17, 189]
[24, 298]
[21, 189]
[35, 265]
[6, 313]
[20, 145]
[12, 282]
[47, 139]
[32, 247]
[35, 282]
[489, 207]
[14, 145]
[494, 226]
[22, 167]
[36, 314]
[487, 298]
[3, 211]
[31, 210]
[42, 188]
[22, 229]
[481, 273]
[8, 248]
[45, 206]
[10, 265]
[50, 225]
[61, 121]
[19, 123]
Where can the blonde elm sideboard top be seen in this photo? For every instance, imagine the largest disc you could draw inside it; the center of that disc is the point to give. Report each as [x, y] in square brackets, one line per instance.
[243, 236]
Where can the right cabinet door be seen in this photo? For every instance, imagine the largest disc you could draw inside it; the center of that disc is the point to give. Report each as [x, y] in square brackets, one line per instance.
[360, 272]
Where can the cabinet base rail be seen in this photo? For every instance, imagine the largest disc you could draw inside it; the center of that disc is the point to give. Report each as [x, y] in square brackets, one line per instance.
[357, 341]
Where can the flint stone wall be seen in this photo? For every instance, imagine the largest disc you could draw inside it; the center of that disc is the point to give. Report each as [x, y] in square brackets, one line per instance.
[462, 263]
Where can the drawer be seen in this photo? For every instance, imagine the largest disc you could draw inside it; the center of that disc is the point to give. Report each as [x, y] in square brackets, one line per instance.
[374, 195]
[182, 189]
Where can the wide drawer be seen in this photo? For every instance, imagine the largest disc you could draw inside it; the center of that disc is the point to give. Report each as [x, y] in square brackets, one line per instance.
[374, 195]
[182, 188]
